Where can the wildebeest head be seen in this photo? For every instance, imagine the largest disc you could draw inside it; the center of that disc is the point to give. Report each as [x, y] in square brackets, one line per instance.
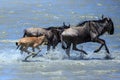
[110, 25]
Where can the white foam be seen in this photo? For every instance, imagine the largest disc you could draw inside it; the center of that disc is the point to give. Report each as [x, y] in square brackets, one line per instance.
[10, 56]
[54, 55]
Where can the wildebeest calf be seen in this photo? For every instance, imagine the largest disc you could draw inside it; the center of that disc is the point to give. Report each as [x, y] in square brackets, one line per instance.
[34, 42]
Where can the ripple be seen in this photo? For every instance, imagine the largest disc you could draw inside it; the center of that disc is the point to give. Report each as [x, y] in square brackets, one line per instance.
[59, 72]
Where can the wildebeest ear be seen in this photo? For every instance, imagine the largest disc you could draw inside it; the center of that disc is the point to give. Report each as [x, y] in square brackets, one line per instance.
[64, 24]
[102, 16]
[69, 25]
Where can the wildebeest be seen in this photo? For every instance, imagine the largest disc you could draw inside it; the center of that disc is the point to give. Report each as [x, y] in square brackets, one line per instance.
[34, 42]
[52, 33]
[88, 31]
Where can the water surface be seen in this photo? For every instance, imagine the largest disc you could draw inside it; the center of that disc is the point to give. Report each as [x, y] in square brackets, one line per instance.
[16, 15]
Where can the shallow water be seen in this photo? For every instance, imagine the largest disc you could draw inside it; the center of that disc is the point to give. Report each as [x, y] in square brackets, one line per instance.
[16, 15]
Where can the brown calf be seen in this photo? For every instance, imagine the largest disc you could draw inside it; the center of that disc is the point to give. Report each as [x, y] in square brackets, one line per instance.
[33, 42]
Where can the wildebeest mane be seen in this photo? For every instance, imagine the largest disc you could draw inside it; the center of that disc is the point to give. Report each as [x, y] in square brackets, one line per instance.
[81, 23]
[99, 21]
[49, 28]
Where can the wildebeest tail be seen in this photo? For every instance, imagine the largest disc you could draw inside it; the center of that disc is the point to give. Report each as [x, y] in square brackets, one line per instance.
[17, 45]
[64, 46]
[24, 33]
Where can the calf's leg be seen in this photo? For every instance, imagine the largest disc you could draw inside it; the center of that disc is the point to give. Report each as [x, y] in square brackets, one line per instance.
[37, 52]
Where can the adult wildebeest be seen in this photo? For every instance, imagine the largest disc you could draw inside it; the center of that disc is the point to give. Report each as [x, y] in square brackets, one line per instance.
[52, 33]
[34, 42]
[88, 31]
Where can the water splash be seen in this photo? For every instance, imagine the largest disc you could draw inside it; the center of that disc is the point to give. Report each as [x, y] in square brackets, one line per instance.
[54, 55]
[10, 56]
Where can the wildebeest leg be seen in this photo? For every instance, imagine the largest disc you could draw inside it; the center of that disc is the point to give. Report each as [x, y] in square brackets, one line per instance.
[25, 33]
[33, 49]
[38, 49]
[48, 47]
[25, 48]
[97, 50]
[37, 52]
[68, 49]
[28, 57]
[21, 49]
[103, 43]
[76, 49]
[54, 45]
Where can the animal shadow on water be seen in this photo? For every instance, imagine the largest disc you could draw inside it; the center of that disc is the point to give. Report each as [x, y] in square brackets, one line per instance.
[79, 58]
[100, 58]
[82, 56]
[31, 60]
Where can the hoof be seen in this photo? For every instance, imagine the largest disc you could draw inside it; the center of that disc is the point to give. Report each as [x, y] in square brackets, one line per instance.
[96, 51]
[34, 55]
[108, 57]
[25, 61]
[85, 53]
[82, 56]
